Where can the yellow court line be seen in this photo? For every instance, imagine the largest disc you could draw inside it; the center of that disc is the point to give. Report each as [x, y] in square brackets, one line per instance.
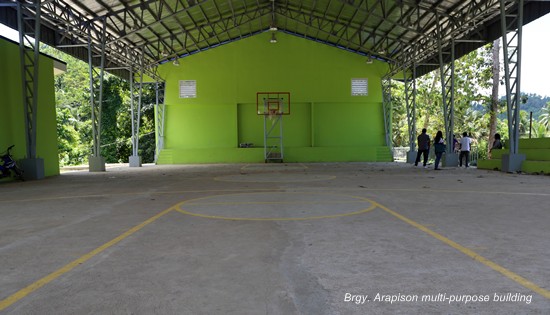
[193, 202]
[277, 219]
[223, 179]
[140, 193]
[70, 266]
[507, 273]
[460, 191]
[235, 203]
[247, 165]
[263, 189]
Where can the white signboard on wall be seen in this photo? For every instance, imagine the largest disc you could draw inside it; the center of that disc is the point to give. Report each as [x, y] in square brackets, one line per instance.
[359, 87]
[188, 88]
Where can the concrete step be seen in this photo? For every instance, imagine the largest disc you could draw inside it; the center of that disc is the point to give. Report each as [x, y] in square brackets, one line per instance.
[165, 157]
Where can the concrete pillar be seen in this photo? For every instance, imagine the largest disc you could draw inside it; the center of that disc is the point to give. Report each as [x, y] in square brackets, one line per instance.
[96, 163]
[450, 159]
[134, 160]
[512, 162]
[411, 156]
[32, 168]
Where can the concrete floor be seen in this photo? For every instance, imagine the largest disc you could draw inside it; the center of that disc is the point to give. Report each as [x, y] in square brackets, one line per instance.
[341, 238]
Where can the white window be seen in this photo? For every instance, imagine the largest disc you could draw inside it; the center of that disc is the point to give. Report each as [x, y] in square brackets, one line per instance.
[188, 88]
[359, 87]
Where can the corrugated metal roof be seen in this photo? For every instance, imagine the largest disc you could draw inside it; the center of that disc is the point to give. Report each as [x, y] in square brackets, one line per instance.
[397, 31]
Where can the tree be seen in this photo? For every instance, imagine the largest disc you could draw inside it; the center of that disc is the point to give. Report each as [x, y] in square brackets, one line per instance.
[400, 137]
[72, 94]
[493, 111]
[544, 117]
[74, 128]
[113, 90]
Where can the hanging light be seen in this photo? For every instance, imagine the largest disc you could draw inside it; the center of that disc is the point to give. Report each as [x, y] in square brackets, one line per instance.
[273, 25]
[369, 59]
[273, 39]
[176, 62]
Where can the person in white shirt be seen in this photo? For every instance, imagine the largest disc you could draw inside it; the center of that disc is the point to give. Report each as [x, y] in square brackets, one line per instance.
[465, 149]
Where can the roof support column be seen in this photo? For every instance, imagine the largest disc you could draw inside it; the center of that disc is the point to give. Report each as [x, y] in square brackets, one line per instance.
[159, 118]
[28, 23]
[511, 37]
[135, 109]
[387, 108]
[447, 73]
[410, 101]
[96, 161]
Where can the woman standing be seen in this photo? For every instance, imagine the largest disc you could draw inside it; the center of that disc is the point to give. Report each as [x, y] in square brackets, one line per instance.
[439, 146]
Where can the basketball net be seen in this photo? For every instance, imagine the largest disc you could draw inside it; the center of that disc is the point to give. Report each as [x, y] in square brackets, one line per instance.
[271, 114]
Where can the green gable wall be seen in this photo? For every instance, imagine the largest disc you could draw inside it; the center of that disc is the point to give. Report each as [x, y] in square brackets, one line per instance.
[326, 122]
[12, 126]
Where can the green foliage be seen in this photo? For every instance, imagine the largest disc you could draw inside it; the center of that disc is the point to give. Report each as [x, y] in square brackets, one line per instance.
[535, 103]
[473, 81]
[544, 117]
[113, 90]
[74, 127]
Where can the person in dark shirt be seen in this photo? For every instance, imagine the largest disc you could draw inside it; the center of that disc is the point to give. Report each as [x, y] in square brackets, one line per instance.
[423, 147]
[439, 148]
[497, 144]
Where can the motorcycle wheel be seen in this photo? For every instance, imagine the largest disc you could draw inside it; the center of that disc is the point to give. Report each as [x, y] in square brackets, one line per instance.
[18, 173]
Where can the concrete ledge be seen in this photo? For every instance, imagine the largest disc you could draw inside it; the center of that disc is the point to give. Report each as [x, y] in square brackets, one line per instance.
[291, 154]
[497, 154]
[494, 164]
[536, 167]
[534, 143]
[536, 154]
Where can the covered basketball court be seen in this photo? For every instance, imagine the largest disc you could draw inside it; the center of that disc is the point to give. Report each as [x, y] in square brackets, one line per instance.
[344, 235]
[321, 238]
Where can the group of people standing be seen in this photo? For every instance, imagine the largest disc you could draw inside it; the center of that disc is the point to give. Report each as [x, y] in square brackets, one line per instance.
[463, 146]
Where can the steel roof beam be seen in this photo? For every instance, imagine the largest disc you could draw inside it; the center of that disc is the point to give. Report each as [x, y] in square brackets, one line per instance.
[161, 17]
[225, 24]
[75, 28]
[473, 13]
[320, 21]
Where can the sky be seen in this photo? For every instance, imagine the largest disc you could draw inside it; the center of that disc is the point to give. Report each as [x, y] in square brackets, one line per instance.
[535, 63]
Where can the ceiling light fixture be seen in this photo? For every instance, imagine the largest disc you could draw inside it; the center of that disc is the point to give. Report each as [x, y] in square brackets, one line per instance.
[273, 39]
[273, 25]
[176, 62]
[369, 60]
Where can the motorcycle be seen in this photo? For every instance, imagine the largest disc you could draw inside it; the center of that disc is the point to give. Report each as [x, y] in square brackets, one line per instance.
[9, 165]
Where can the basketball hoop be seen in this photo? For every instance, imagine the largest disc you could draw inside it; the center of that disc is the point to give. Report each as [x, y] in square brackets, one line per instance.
[271, 104]
[272, 113]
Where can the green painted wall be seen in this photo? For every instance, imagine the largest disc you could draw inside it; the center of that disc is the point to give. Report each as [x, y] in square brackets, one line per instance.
[323, 113]
[12, 126]
[537, 156]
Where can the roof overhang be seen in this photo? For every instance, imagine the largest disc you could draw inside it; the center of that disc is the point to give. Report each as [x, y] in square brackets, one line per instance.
[401, 32]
